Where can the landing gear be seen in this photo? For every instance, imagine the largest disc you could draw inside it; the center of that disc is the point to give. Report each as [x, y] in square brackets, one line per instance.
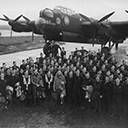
[111, 44]
[51, 47]
[107, 49]
[46, 48]
[116, 46]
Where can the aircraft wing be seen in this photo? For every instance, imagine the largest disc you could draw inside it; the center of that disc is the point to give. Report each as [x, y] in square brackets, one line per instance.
[120, 27]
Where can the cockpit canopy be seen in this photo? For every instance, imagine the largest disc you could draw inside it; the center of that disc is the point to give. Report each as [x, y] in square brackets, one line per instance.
[46, 13]
[64, 10]
[58, 9]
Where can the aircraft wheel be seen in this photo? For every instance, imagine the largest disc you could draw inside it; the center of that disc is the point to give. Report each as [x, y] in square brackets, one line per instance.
[46, 49]
[54, 48]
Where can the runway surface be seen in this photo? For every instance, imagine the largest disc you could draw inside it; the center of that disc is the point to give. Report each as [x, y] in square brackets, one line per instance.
[18, 56]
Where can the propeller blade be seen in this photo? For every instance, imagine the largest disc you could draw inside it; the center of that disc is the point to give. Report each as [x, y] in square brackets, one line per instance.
[126, 11]
[3, 19]
[17, 18]
[6, 17]
[85, 17]
[106, 17]
[27, 19]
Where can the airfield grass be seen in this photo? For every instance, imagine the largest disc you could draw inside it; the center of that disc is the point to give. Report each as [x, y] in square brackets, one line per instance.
[19, 43]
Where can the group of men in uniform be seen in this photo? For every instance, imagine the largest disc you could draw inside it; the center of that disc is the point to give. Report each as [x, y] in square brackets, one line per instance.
[89, 79]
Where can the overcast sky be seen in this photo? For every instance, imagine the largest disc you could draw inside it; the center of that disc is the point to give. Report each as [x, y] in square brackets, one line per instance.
[90, 8]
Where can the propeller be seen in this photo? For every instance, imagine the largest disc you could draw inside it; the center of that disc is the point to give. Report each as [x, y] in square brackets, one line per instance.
[96, 23]
[106, 17]
[16, 19]
[29, 23]
[85, 17]
[6, 18]
[126, 11]
[28, 20]
[11, 22]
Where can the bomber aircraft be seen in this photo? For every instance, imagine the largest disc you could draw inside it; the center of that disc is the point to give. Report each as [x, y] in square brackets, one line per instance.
[63, 24]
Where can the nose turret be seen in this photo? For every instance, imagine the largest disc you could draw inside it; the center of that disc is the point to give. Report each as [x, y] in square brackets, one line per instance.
[46, 13]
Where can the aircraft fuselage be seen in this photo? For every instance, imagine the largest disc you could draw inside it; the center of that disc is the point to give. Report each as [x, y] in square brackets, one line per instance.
[62, 27]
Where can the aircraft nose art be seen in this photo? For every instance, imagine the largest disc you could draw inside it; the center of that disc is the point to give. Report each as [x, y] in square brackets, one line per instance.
[40, 23]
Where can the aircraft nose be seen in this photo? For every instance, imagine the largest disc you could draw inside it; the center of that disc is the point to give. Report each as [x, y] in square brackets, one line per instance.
[40, 23]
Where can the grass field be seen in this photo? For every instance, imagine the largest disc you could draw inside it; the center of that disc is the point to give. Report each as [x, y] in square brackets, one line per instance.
[19, 43]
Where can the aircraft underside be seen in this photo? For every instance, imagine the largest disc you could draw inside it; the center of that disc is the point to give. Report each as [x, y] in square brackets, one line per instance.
[79, 38]
[71, 37]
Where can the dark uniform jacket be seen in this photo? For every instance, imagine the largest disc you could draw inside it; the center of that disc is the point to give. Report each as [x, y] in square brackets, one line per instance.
[3, 85]
[77, 82]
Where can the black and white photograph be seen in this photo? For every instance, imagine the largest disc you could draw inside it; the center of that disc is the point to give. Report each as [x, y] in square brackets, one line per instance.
[63, 64]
